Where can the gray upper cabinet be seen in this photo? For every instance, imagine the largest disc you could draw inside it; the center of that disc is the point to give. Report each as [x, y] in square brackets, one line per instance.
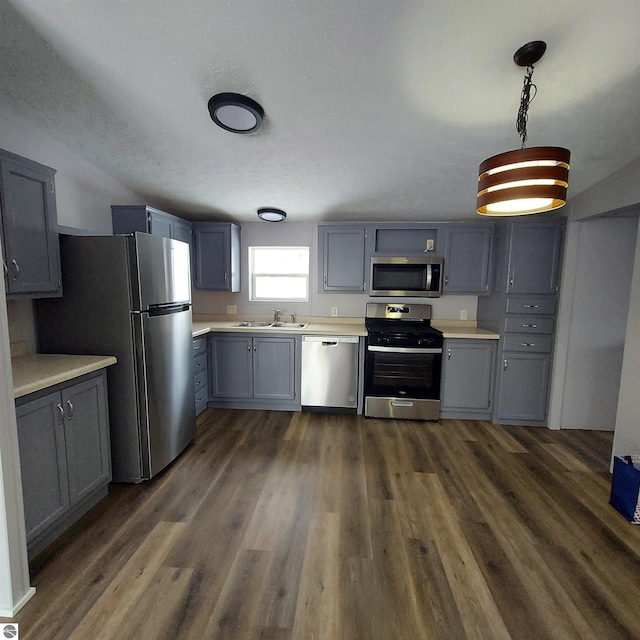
[132, 218]
[65, 458]
[467, 378]
[30, 245]
[467, 259]
[217, 256]
[534, 257]
[342, 255]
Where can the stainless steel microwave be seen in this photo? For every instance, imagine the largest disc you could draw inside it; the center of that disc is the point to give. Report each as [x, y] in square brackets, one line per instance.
[415, 277]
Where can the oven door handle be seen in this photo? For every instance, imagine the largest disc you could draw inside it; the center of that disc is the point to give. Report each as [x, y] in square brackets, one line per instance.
[404, 349]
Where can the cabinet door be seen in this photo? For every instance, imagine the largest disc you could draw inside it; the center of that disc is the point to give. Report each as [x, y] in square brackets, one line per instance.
[86, 428]
[534, 257]
[160, 225]
[274, 368]
[466, 262]
[43, 462]
[524, 380]
[467, 375]
[31, 250]
[343, 259]
[217, 256]
[232, 366]
[181, 231]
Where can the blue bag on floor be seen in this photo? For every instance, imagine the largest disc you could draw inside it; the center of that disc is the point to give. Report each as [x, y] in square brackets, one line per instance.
[625, 487]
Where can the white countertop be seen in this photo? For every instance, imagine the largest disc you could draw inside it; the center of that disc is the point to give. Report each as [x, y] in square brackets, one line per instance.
[340, 327]
[34, 372]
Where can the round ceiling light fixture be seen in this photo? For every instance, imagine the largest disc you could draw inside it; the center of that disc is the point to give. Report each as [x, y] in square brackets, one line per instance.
[236, 113]
[526, 180]
[269, 214]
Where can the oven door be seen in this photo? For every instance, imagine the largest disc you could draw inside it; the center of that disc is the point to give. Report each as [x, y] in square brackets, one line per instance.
[403, 372]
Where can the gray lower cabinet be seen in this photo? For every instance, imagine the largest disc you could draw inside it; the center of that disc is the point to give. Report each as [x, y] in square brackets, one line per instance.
[200, 373]
[254, 370]
[342, 255]
[28, 223]
[65, 458]
[523, 389]
[217, 256]
[467, 259]
[467, 378]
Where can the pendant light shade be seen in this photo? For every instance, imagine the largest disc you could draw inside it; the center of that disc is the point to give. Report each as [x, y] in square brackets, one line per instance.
[523, 181]
[526, 180]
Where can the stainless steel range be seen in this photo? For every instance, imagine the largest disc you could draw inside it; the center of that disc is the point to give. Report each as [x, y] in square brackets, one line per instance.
[402, 363]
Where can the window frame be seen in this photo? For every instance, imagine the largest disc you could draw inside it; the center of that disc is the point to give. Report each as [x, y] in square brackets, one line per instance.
[253, 275]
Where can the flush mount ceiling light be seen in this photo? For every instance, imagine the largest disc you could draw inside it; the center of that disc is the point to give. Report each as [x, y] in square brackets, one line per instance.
[526, 180]
[236, 113]
[269, 214]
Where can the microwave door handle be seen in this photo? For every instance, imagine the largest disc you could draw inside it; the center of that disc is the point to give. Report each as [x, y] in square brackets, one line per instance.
[428, 287]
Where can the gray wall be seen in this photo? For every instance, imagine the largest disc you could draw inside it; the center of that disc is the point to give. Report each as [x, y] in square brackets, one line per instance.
[592, 321]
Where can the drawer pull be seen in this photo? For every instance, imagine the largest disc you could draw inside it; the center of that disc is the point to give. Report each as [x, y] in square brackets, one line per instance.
[530, 326]
[505, 364]
[71, 410]
[531, 306]
[527, 344]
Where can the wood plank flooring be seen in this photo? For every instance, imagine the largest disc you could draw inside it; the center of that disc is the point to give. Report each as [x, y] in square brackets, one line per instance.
[306, 526]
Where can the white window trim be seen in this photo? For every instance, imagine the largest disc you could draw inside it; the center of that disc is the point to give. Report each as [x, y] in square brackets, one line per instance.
[252, 276]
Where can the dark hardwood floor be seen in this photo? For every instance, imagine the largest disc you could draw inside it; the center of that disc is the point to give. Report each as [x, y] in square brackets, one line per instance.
[309, 526]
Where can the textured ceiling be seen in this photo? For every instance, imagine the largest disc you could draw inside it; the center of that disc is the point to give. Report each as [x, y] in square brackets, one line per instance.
[375, 109]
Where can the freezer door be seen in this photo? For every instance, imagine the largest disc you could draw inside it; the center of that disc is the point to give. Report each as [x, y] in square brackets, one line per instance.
[167, 400]
[161, 274]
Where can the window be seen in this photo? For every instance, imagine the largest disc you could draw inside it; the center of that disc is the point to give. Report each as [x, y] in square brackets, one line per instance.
[279, 273]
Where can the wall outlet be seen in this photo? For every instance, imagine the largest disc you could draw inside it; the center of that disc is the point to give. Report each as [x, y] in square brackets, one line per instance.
[334, 312]
[232, 309]
[463, 314]
[430, 244]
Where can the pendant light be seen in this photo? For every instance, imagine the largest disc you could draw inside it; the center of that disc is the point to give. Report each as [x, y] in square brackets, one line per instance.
[526, 180]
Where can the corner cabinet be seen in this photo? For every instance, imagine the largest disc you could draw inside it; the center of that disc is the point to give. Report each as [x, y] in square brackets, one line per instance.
[30, 248]
[467, 259]
[132, 218]
[217, 256]
[523, 310]
[467, 378]
[255, 371]
[342, 259]
[65, 458]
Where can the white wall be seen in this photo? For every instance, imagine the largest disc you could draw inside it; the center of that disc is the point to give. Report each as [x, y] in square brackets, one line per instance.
[319, 305]
[592, 321]
[627, 436]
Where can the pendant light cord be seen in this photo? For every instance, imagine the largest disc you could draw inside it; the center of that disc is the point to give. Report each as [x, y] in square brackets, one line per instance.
[525, 100]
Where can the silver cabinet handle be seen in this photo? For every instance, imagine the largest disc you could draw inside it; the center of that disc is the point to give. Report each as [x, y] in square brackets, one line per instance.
[16, 266]
[446, 280]
[527, 344]
[6, 269]
[248, 347]
[70, 405]
[226, 277]
[504, 363]
[531, 306]
[530, 326]
[61, 410]
[448, 354]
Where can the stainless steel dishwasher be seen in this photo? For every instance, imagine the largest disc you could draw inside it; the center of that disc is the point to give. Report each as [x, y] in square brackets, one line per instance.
[330, 371]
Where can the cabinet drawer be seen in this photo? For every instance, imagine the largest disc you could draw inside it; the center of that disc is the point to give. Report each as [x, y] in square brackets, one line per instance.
[528, 342]
[199, 345]
[528, 324]
[201, 401]
[200, 381]
[539, 305]
[200, 363]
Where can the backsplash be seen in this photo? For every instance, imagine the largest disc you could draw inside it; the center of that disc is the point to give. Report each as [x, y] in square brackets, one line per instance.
[22, 326]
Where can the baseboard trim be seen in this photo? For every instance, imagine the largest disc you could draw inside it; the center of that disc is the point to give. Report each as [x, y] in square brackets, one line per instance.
[10, 613]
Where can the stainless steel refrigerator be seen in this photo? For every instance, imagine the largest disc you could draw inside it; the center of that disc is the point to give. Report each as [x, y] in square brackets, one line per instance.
[130, 296]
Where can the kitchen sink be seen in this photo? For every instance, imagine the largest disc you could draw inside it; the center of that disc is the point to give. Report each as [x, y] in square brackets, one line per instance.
[272, 325]
[289, 325]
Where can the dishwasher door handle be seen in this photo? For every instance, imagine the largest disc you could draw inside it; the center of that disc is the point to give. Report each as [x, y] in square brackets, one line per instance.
[330, 344]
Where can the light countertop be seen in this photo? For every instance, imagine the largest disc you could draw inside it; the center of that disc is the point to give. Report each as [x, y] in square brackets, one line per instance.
[345, 326]
[34, 372]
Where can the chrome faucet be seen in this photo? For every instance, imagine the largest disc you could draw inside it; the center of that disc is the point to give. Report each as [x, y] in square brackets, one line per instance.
[276, 315]
[293, 317]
